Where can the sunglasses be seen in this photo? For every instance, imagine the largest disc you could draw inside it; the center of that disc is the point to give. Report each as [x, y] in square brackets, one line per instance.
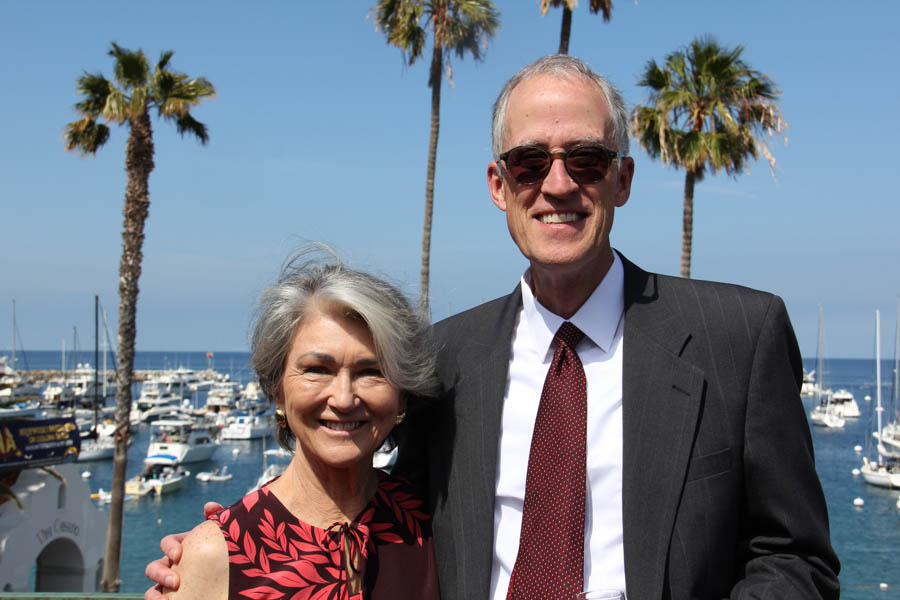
[585, 163]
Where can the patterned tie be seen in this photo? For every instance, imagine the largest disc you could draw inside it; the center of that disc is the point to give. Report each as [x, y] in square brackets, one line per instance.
[550, 562]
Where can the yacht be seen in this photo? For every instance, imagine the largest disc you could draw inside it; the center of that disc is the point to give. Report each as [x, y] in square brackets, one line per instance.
[223, 396]
[845, 404]
[247, 427]
[177, 441]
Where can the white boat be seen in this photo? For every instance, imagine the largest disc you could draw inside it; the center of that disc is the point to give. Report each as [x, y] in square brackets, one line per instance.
[215, 475]
[56, 542]
[823, 414]
[247, 427]
[177, 441]
[885, 471]
[14, 387]
[156, 479]
[223, 396]
[99, 448]
[845, 404]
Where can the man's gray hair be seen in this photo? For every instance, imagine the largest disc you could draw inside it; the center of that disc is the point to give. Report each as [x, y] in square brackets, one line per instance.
[561, 66]
[314, 280]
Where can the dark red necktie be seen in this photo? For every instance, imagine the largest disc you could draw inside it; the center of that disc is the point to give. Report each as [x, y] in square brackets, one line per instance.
[550, 562]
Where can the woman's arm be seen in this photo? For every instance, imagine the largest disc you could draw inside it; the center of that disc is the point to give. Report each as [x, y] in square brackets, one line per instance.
[203, 569]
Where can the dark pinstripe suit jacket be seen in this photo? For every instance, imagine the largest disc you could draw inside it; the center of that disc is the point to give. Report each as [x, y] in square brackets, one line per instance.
[720, 493]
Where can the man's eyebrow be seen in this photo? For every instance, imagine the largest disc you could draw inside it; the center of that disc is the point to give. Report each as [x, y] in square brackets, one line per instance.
[568, 144]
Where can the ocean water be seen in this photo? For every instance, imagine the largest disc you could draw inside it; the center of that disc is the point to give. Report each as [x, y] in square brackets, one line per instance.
[867, 538]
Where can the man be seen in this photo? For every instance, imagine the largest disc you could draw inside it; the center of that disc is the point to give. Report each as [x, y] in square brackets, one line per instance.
[698, 479]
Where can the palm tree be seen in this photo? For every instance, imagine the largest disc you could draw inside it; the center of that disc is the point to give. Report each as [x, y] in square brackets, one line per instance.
[707, 110]
[458, 26]
[567, 6]
[127, 100]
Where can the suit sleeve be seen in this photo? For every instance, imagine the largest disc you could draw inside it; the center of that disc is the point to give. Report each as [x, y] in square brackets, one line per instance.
[786, 547]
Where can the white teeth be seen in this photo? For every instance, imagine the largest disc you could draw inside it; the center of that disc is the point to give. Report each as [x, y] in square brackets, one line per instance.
[559, 217]
[342, 425]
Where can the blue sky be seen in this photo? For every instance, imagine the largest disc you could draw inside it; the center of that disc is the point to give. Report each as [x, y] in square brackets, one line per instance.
[320, 132]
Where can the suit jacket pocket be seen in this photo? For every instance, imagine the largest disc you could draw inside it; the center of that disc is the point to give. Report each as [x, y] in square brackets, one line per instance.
[709, 465]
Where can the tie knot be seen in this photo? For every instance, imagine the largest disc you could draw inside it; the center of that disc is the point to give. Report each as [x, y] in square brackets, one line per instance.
[569, 335]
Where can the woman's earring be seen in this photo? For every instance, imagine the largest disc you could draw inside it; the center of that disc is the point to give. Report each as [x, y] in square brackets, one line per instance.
[280, 418]
[400, 416]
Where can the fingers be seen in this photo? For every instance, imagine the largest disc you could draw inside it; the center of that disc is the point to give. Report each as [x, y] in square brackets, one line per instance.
[211, 508]
[171, 547]
[159, 572]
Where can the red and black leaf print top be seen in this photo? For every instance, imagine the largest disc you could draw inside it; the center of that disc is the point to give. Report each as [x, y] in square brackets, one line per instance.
[274, 555]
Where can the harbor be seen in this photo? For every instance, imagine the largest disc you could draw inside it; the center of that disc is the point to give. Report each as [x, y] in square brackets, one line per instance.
[865, 519]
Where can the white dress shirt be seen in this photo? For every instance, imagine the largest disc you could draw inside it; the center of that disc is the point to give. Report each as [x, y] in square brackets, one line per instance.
[601, 318]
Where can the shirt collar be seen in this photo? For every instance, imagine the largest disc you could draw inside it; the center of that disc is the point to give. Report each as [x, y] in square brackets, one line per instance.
[598, 317]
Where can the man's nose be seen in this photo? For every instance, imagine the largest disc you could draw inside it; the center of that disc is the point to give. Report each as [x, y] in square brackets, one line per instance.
[558, 182]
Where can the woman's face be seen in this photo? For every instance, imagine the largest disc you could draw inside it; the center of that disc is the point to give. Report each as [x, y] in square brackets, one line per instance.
[338, 404]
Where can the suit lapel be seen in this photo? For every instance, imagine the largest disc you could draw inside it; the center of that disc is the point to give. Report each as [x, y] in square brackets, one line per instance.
[661, 397]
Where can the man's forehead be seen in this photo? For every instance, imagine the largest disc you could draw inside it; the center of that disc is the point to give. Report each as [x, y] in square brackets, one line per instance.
[549, 106]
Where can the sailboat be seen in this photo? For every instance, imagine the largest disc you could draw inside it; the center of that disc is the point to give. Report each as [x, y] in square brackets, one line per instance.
[824, 414]
[95, 446]
[885, 471]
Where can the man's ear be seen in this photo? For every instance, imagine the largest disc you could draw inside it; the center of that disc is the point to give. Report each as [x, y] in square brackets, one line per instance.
[496, 183]
[624, 176]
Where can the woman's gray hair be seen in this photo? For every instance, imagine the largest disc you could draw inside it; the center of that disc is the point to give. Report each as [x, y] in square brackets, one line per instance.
[314, 279]
[561, 66]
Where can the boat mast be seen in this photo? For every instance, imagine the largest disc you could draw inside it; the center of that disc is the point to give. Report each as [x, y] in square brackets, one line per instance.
[820, 359]
[895, 397]
[12, 356]
[96, 356]
[878, 407]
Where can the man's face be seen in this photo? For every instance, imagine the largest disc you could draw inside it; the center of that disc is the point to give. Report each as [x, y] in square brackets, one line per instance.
[559, 225]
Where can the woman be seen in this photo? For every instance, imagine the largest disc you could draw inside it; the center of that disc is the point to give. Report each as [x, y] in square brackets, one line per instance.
[342, 353]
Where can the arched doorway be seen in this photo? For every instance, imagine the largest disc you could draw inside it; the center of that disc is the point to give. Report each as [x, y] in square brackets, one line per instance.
[60, 567]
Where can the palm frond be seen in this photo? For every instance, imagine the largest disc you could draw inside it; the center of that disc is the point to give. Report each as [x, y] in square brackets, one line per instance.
[131, 68]
[164, 59]
[185, 123]
[85, 135]
[117, 108]
[94, 88]
[399, 20]
[602, 5]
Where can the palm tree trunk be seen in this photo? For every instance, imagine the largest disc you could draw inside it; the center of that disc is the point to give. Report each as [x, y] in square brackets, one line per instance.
[434, 81]
[687, 224]
[565, 30]
[138, 165]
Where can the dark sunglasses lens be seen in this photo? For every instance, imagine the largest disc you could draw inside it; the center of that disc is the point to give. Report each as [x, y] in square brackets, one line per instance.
[528, 165]
[587, 164]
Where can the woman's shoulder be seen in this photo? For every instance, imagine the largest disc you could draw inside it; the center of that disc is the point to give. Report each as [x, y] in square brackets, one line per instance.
[203, 568]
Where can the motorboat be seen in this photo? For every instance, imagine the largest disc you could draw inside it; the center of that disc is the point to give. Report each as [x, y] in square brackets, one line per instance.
[845, 404]
[215, 475]
[177, 441]
[247, 427]
[156, 479]
[223, 396]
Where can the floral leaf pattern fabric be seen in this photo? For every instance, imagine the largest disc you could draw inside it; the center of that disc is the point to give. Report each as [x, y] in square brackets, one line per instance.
[273, 555]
